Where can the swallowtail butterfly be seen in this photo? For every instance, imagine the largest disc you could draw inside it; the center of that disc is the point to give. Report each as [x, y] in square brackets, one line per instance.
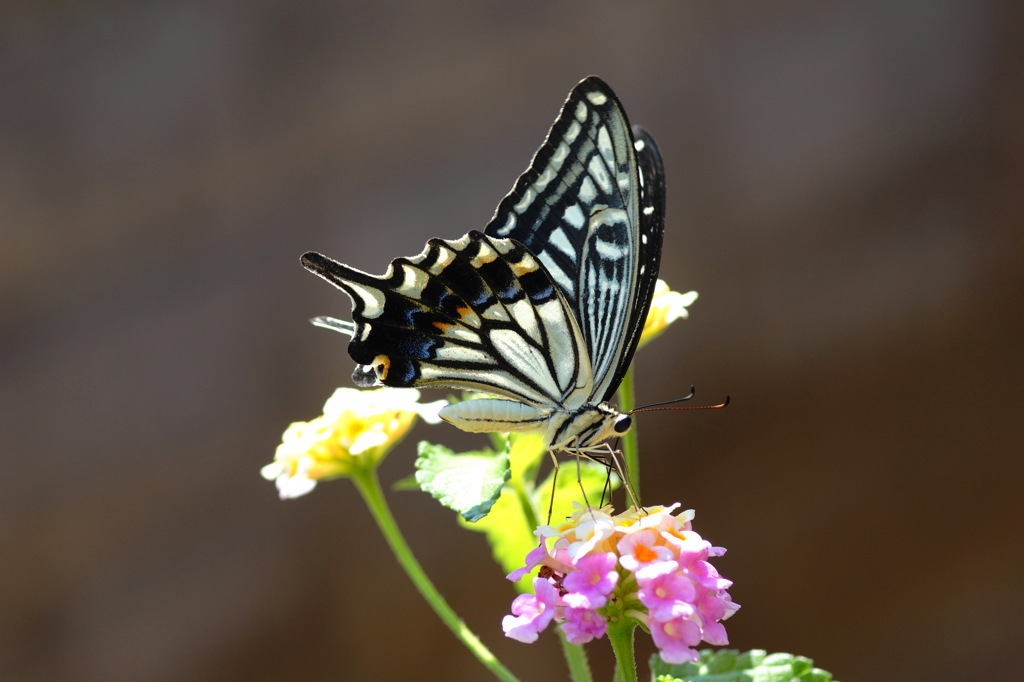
[543, 309]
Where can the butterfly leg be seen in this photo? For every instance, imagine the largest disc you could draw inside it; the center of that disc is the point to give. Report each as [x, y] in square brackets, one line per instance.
[623, 473]
[579, 482]
[554, 484]
[606, 491]
[608, 457]
[579, 454]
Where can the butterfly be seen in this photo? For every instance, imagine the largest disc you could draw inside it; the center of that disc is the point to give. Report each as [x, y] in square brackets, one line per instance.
[543, 309]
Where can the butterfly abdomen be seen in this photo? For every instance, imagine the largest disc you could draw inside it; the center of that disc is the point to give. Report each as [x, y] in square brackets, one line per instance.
[487, 415]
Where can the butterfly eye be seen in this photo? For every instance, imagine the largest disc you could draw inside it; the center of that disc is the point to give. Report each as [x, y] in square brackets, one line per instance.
[623, 424]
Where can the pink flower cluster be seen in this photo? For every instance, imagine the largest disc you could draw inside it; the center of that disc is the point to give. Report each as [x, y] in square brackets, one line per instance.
[644, 564]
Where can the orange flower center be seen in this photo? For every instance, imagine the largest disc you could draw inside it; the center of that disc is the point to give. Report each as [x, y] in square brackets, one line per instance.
[643, 553]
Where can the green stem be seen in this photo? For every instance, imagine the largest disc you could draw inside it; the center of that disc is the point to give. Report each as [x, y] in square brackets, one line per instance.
[576, 659]
[620, 634]
[630, 441]
[368, 484]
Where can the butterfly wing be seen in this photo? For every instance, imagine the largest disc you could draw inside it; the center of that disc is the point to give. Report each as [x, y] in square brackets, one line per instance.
[477, 313]
[651, 230]
[591, 209]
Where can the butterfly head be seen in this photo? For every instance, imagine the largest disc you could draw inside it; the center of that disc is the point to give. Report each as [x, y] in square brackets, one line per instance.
[586, 428]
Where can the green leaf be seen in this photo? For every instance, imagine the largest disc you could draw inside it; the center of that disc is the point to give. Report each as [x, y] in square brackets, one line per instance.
[407, 483]
[723, 661]
[727, 665]
[468, 483]
[525, 453]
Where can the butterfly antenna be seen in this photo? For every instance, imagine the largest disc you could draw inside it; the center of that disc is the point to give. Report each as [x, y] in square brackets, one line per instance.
[667, 402]
[654, 407]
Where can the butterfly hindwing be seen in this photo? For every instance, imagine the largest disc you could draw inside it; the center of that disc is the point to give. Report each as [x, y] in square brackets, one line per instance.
[477, 313]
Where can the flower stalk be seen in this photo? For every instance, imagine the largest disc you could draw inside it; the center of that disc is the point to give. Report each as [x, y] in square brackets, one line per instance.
[576, 660]
[620, 635]
[667, 306]
[630, 440]
[368, 485]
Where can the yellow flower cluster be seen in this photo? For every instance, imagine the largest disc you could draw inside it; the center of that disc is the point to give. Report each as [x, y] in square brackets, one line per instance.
[356, 430]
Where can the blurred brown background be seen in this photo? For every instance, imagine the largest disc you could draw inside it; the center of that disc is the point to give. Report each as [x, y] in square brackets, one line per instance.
[845, 191]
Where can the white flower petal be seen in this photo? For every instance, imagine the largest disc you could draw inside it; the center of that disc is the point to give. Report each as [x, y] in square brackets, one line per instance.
[429, 411]
[290, 487]
[366, 440]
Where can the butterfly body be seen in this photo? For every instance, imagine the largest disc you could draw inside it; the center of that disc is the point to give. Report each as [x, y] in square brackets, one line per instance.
[543, 309]
[578, 431]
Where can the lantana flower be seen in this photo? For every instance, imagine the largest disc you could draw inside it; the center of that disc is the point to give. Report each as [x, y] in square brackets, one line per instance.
[531, 613]
[667, 306]
[643, 564]
[357, 429]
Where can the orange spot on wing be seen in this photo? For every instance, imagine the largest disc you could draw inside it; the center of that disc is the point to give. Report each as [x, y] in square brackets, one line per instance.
[381, 365]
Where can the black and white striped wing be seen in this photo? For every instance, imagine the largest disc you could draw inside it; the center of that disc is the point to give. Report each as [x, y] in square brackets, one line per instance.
[591, 209]
[478, 313]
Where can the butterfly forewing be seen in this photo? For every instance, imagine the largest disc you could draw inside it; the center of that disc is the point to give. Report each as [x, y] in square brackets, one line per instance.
[579, 209]
[651, 230]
